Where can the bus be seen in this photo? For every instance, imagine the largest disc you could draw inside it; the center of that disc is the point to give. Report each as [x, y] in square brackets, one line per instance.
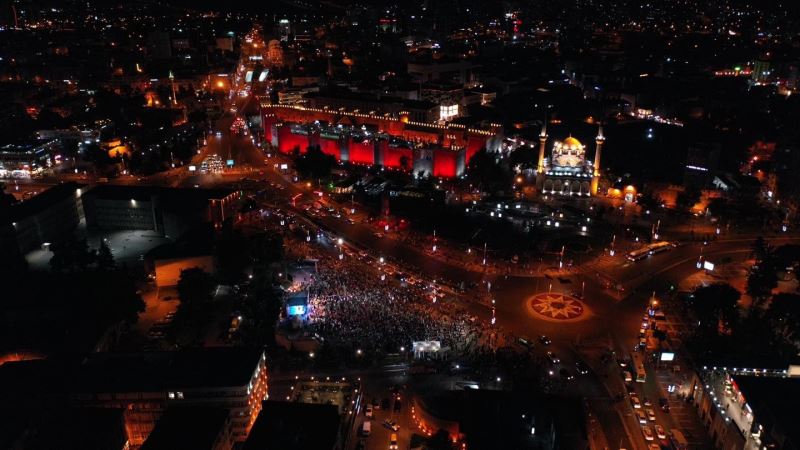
[659, 247]
[677, 440]
[636, 255]
[638, 367]
[651, 249]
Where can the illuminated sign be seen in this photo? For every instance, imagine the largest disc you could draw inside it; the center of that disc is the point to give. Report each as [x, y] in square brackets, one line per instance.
[708, 265]
[667, 356]
[229, 162]
[296, 310]
[192, 168]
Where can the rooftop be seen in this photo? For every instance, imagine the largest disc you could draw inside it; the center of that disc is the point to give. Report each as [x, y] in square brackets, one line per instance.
[159, 371]
[774, 404]
[294, 426]
[46, 199]
[192, 427]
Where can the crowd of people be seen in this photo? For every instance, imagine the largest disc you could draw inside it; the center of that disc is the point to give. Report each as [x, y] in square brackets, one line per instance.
[352, 307]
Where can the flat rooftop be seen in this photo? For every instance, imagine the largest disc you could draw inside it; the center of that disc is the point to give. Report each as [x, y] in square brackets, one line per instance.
[160, 371]
[189, 427]
[44, 200]
[294, 426]
[774, 403]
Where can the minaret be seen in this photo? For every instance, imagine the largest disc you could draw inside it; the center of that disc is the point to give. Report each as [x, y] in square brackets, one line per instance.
[540, 166]
[172, 82]
[597, 154]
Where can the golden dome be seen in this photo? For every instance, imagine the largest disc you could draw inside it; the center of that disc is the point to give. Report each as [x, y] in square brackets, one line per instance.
[572, 142]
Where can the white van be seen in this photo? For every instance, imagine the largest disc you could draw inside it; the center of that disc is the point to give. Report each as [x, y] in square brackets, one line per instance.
[366, 428]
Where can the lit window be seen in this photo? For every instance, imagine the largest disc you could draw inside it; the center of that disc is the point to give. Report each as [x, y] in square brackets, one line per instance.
[447, 112]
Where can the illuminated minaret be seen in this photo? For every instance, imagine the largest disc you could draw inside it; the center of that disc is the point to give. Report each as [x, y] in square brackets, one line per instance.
[172, 82]
[540, 166]
[597, 154]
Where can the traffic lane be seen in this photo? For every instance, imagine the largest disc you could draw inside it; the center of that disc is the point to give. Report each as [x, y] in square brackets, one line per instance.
[658, 263]
[403, 254]
[381, 434]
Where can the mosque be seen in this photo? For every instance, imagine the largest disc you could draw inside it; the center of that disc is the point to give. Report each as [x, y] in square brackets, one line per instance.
[567, 171]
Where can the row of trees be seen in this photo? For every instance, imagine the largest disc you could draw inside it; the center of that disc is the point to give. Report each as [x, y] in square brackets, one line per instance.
[769, 328]
[261, 300]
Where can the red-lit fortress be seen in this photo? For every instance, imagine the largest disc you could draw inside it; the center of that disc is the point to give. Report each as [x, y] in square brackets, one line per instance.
[391, 141]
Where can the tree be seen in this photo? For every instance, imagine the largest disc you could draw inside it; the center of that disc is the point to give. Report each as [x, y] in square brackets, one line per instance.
[105, 259]
[262, 309]
[71, 256]
[688, 198]
[761, 249]
[267, 248]
[763, 276]
[405, 162]
[231, 252]
[314, 163]
[526, 157]
[194, 287]
[485, 171]
[716, 308]
[648, 202]
[784, 315]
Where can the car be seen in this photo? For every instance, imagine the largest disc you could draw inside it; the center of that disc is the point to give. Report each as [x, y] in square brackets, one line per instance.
[565, 375]
[626, 374]
[368, 411]
[391, 424]
[525, 342]
[647, 401]
[393, 442]
[398, 405]
[664, 404]
[636, 403]
[582, 368]
[660, 432]
[376, 404]
[651, 415]
[385, 403]
[654, 446]
[552, 358]
[648, 433]
[641, 417]
[545, 340]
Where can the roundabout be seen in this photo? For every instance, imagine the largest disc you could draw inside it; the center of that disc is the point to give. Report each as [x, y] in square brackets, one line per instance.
[557, 307]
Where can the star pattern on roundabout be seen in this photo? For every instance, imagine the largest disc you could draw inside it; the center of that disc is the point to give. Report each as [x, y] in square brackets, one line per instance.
[557, 306]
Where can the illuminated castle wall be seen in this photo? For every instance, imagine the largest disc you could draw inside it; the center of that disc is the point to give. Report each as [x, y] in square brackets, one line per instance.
[393, 142]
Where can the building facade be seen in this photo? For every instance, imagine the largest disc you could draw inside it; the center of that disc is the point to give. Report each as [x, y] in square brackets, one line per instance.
[567, 171]
[145, 385]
